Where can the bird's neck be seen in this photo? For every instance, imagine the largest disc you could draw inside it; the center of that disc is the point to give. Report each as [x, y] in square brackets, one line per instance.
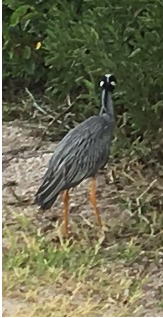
[107, 104]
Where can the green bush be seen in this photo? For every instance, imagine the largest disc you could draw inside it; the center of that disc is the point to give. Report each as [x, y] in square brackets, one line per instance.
[82, 40]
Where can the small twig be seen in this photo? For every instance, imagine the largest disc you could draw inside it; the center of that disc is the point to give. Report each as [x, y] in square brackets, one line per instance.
[86, 220]
[33, 126]
[138, 202]
[16, 151]
[35, 103]
[147, 189]
[15, 195]
[69, 101]
[127, 176]
[9, 184]
[21, 201]
[70, 105]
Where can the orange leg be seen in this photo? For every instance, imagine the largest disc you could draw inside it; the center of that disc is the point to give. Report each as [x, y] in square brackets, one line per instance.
[93, 201]
[65, 212]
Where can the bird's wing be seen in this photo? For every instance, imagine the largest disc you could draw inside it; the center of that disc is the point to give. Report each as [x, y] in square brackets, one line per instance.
[78, 156]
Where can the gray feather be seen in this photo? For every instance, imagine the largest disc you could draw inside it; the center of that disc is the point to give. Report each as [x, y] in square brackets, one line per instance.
[79, 155]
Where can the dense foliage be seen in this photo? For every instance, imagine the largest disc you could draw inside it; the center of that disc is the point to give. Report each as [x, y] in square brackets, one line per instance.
[82, 40]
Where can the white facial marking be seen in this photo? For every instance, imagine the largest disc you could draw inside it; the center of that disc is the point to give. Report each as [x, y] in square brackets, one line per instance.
[107, 77]
[101, 83]
[112, 83]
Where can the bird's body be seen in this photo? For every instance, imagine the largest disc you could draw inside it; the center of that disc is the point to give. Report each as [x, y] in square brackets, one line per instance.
[79, 155]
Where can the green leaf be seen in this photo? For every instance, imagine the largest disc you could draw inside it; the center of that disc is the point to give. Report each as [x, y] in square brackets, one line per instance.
[93, 31]
[17, 14]
[27, 52]
[135, 52]
[30, 67]
[89, 85]
[158, 105]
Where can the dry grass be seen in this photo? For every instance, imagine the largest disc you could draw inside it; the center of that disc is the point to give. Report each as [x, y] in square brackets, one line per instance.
[87, 277]
[114, 272]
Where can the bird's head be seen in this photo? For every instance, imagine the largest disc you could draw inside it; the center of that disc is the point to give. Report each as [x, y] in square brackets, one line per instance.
[108, 82]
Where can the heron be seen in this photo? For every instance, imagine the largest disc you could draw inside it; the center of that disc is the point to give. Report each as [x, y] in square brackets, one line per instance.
[79, 155]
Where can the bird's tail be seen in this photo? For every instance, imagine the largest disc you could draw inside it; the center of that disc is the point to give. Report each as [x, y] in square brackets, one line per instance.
[47, 193]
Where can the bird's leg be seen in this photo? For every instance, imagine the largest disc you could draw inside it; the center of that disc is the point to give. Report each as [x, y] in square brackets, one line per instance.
[93, 201]
[65, 212]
